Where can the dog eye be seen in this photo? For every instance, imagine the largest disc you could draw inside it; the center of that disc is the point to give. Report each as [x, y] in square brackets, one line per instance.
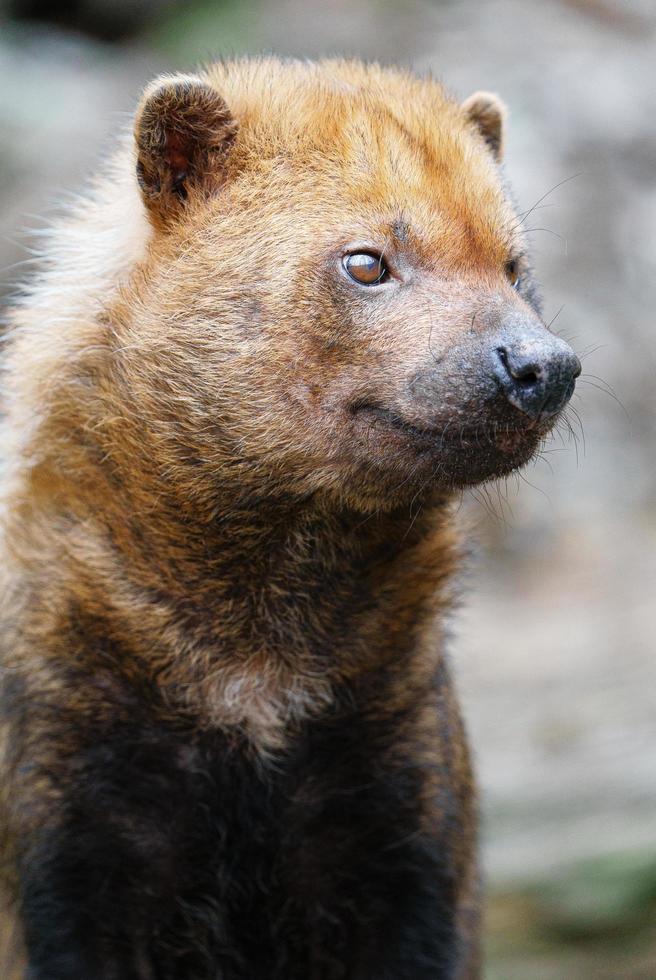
[365, 268]
[513, 273]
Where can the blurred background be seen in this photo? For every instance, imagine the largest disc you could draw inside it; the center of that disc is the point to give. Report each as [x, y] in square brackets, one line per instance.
[553, 646]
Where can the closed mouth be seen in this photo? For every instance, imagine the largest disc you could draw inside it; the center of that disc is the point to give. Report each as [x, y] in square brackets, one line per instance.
[494, 434]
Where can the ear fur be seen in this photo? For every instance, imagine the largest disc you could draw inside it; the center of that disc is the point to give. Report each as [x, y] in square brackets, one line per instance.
[183, 129]
[488, 113]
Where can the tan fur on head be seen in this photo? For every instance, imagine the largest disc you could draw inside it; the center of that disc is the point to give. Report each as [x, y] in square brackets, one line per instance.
[488, 113]
[183, 128]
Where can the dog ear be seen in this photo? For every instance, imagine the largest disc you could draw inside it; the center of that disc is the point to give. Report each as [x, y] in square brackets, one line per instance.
[183, 131]
[488, 113]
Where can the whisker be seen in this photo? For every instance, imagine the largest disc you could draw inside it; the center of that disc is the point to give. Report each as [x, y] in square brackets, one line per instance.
[592, 349]
[525, 480]
[555, 317]
[560, 183]
[574, 438]
[542, 458]
[549, 231]
[604, 387]
[580, 423]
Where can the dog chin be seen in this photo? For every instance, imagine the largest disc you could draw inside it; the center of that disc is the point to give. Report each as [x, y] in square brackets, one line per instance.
[449, 457]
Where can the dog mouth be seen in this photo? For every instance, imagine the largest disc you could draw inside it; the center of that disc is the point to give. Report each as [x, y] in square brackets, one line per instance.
[493, 434]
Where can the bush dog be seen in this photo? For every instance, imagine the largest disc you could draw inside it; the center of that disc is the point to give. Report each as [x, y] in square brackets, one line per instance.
[263, 356]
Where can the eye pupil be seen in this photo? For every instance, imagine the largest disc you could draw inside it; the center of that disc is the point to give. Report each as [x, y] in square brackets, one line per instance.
[365, 268]
[512, 271]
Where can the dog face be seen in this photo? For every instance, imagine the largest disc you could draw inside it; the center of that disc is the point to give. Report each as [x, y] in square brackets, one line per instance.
[338, 290]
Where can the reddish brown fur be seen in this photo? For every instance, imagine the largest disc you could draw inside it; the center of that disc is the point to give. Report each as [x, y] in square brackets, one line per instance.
[182, 471]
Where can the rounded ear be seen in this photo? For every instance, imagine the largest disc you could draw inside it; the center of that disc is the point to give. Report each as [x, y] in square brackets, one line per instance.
[488, 113]
[183, 130]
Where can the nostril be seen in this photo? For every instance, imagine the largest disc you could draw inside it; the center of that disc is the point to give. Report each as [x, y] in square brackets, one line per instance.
[502, 354]
[526, 379]
[525, 375]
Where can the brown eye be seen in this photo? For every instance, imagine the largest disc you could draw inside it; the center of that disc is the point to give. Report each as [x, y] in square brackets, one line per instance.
[512, 272]
[365, 268]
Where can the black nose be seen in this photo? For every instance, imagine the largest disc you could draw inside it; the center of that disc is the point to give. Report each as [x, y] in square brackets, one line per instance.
[537, 374]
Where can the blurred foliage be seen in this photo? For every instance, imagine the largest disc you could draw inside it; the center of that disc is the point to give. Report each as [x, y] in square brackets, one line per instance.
[205, 30]
[595, 919]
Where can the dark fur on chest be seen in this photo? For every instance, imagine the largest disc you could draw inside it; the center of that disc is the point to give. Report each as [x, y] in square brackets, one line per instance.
[181, 855]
